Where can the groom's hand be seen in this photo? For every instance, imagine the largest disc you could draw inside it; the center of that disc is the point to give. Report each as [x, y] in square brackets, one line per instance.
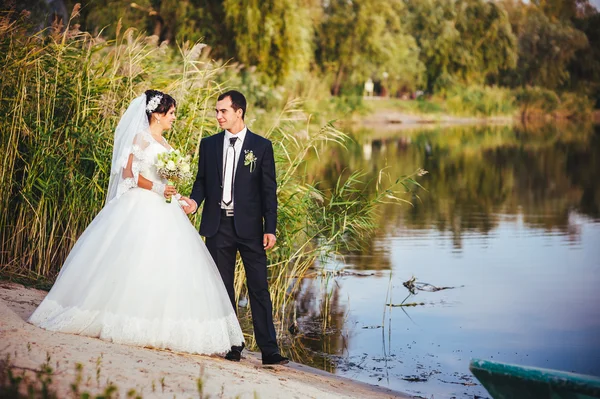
[269, 241]
[190, 207]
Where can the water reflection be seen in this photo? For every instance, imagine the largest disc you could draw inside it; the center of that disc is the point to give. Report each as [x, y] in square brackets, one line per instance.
[511, 214]
[477, 173]
[321, 317]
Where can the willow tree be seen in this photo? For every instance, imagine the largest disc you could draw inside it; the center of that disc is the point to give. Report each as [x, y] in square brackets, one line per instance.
[358, 39]
[40, 13]
[547, 46]
[462, 41]
[273, 35]
[106, 16]
[563, 10]
[584, 69]
[170, 20]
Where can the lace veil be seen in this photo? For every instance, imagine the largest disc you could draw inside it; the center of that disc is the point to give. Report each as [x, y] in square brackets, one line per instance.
[133, 121]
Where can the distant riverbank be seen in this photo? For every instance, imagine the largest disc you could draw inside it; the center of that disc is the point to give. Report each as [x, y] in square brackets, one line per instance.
[399, 119]
[396, 115]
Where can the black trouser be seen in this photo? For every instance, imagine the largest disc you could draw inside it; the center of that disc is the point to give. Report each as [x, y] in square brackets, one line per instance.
[223, 248]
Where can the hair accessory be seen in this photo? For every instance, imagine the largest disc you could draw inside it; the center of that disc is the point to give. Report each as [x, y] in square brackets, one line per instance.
[154, 102]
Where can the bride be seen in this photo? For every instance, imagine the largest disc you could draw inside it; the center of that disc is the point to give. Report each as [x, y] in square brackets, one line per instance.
[140, 274]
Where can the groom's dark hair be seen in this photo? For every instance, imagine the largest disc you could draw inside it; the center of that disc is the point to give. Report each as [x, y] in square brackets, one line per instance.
[237, 100]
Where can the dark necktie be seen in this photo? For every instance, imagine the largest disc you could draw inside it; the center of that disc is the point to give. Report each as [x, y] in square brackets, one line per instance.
[228, 172]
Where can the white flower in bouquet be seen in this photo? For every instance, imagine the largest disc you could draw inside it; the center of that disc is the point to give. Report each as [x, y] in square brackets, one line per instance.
[174, 167]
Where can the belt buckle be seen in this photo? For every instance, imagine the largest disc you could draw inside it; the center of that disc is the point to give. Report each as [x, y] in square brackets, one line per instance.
[228, 212]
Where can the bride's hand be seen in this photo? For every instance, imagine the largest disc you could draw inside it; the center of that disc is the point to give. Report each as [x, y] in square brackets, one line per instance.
[170, 191]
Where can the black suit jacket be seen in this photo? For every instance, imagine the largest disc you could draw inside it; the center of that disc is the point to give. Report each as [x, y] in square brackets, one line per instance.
[254, 193]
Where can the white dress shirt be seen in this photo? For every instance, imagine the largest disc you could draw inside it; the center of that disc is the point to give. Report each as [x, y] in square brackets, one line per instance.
[238, 149]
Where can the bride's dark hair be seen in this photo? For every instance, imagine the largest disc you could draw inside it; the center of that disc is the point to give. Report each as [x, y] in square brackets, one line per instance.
[165, 104]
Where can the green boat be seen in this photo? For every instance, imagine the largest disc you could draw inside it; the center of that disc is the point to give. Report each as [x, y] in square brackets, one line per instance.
[504, 381]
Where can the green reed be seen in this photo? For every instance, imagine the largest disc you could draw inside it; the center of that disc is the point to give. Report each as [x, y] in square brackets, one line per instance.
[61, 95]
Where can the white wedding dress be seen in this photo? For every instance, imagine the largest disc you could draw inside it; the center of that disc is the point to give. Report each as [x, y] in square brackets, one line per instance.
[141, 275]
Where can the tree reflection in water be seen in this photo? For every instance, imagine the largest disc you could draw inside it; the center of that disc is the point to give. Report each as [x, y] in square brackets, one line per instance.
[477, 175]
[542, 178]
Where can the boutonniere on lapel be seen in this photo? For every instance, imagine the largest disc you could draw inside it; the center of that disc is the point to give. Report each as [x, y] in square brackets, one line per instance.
[250, 159]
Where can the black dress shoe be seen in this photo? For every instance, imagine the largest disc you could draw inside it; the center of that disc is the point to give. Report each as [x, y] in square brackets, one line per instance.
[235, 354]
[275, 358]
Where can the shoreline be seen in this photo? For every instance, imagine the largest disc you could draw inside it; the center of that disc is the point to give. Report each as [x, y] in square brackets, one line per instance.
[388, 119]
[401, 119]
[154, 373]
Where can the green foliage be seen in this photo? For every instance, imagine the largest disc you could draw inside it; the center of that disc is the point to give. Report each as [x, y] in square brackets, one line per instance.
[584, 69]
[13, 383]
[17, 383]
[428, 107]
[480, 101]
[109, 17]
[461, 41]
[576, 106]
[546, 47]
[422, 105]
[287, 49]
[536, 99]
[347, 104]
[169, 20]
[563, 10]
[367, 38]
[272, 35]
[260, 94]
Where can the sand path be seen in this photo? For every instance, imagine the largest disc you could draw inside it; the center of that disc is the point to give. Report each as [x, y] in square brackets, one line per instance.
[143, 369]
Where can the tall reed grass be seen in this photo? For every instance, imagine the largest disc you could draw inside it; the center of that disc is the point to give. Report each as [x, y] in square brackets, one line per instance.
[61, 96]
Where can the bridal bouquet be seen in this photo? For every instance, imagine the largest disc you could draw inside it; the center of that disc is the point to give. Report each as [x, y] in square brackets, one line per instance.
[174, 167]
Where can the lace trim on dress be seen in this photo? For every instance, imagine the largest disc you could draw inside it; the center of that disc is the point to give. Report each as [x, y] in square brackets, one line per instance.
[148, 138]
[139, 154]
[159, 188]
[142, 160]
[125, 185]
[146, 135]
[184, 335]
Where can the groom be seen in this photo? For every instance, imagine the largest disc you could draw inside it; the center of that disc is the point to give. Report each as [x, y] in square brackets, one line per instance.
[236, 179]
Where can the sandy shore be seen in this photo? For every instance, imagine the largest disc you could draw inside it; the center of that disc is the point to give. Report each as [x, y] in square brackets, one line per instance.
[138, 368]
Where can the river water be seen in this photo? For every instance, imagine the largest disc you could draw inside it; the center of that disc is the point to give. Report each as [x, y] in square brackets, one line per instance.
[510, 218]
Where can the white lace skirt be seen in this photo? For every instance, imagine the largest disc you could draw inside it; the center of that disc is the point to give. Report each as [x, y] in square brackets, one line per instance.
[140, 274]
